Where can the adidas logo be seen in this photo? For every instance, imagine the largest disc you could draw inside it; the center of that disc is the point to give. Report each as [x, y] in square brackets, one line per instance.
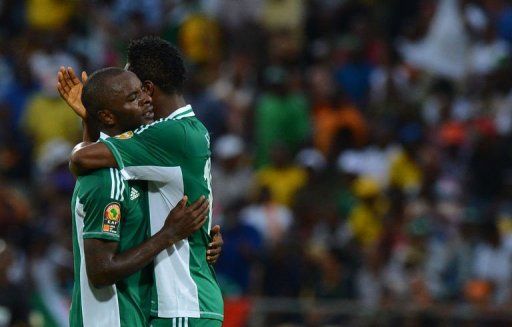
[134, 194]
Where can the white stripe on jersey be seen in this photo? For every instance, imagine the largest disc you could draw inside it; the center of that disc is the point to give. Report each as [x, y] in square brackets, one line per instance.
[190, 114]
[179, 111]
[118, 186]
[112, 183]
[121, 197]
[100, 306]
[174, 115]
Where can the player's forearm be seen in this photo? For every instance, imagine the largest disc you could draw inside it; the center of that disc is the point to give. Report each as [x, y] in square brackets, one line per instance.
[87, 156]
[111, 268]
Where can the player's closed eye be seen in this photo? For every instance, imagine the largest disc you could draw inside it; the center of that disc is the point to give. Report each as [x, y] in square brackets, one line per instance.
[136, 96]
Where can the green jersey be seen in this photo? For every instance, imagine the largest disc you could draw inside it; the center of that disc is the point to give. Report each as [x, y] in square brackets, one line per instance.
[105, 206]
[173, 154]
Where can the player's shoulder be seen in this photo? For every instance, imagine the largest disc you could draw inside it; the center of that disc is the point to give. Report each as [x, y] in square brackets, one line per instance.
[191, 126]
[164, 126]
[100, 180]
[96, 174]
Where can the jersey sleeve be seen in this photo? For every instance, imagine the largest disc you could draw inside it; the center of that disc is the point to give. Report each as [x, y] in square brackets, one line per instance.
[139, 154]
[103, 206]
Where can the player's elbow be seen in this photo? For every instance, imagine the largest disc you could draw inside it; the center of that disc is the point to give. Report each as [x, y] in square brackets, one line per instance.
[99, 272]
[99, 262]
[73, 169]
[100, 282]
[99, 277]
[76, 158]
[77, 162]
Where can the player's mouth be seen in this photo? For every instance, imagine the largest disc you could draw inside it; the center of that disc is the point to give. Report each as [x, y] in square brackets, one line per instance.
[148, 113]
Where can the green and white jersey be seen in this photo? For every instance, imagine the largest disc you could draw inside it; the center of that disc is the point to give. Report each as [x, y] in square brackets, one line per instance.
[105, 206]
[174, 155]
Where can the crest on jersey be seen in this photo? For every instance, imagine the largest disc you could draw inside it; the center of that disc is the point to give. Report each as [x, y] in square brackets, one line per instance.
[124, 136]
[111, 218]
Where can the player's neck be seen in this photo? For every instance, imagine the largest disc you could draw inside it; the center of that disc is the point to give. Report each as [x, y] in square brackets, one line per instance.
[165, 104]
[113, 131]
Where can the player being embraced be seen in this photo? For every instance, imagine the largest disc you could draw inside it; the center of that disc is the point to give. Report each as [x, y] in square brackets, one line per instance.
[173, 153]
[112, 248]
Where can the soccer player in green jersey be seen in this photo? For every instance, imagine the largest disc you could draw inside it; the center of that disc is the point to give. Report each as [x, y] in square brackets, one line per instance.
[173, 153]
[111, 244]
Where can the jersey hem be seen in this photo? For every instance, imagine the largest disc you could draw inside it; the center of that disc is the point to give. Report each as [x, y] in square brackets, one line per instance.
[100, 235]
[187, 314]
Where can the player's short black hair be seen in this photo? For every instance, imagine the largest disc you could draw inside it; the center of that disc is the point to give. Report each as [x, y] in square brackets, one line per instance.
[97, 89]
[154, 59]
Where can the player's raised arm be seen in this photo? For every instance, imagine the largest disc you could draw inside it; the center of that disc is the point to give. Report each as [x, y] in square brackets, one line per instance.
[70, 90]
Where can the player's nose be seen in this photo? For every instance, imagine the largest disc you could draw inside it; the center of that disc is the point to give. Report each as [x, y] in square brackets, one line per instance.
[145, 98]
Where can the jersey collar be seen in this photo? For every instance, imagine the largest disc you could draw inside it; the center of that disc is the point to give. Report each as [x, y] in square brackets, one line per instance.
[182, 112]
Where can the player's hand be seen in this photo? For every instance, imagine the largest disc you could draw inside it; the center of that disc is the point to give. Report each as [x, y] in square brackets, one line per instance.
[183, 221]
[215, 247]
[70, 89]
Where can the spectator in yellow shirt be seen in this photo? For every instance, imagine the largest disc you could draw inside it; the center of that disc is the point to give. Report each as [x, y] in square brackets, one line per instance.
[366, 218]
[283, 178]
[49, 14]
[47, 117]
[405, 172]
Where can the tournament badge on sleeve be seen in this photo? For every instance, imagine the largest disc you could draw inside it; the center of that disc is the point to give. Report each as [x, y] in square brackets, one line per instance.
[111, 218]
[124, 136]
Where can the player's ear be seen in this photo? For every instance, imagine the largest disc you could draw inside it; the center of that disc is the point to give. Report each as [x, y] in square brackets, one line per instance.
[148, 87]
[106, 117]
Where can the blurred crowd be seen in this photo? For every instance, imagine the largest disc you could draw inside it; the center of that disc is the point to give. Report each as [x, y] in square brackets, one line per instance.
[362, 149]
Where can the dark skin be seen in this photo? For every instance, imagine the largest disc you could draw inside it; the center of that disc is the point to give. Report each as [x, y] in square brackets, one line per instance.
[131, 98]
[128, 107]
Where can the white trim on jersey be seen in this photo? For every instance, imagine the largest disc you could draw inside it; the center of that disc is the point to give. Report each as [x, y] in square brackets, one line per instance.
[179, 322]
[190, 114]
[121, 181]
[112, 183]
[117, 185]
[100, 306]
[179, 111]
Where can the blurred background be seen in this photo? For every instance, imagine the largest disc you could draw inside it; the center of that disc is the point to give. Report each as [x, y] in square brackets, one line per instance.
[362, 153]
